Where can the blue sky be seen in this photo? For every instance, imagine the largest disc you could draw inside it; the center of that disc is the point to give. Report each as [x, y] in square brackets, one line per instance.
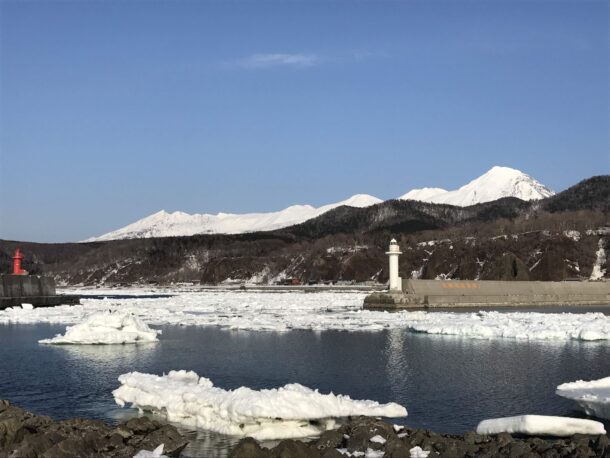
[110, 111]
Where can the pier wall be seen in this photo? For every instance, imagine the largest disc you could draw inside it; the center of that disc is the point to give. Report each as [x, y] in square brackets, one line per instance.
[26, 285]
[457, 293]
[32, 289]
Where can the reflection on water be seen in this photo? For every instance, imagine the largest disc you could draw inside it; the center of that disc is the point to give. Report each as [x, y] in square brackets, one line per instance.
[447, 383]
[98, 356]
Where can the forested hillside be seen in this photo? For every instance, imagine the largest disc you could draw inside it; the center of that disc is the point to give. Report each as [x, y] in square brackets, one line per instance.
[561, 237]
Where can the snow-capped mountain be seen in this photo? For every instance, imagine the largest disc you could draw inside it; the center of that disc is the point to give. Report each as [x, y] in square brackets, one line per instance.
[498, 182]
[164, 224]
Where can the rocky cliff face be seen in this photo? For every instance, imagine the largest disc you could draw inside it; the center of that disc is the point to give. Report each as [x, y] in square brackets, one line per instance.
[562, 237]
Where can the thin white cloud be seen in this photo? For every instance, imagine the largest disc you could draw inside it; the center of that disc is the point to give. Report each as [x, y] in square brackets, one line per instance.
[280, 60]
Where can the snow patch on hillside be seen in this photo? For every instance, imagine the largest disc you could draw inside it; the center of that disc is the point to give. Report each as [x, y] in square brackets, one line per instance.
[598, 272]
[291, 411]
[497, 183]
[572, 234]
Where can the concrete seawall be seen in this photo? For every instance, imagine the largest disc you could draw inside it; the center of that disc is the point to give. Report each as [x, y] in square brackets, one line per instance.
[458, 293]
[31, 289]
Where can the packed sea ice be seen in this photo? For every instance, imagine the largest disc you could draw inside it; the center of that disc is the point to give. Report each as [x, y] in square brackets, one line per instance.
[106, 328]
[593, 396]
[324, 310]
[540, 425]
[291, 411]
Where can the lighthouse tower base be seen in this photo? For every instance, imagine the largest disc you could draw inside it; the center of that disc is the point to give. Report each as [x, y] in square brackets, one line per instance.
[393, 300]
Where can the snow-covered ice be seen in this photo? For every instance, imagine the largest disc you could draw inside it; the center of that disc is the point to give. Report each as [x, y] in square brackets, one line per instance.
[156, 453]
[418, 452]
[516, 325]
[593, 396]
[324, 310]
[540, 425]
[106, 328]
[378, 439]
[291, 411]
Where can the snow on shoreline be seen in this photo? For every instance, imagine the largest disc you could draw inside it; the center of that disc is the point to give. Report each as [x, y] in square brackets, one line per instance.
[105, 328]
[324, 310]
[291, 411]
[593, 396]
[540, 425]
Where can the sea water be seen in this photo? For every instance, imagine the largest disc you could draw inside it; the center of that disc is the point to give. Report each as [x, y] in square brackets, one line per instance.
[447, 383]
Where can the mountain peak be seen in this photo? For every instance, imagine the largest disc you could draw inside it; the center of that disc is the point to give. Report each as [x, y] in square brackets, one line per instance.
[361, 200]
[503, 170]
[496, 183]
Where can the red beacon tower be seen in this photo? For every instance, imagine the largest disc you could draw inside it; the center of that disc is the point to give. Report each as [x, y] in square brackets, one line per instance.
[17, 258]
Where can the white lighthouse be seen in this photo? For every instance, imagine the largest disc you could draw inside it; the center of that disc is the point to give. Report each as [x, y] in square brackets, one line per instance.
[393, 253]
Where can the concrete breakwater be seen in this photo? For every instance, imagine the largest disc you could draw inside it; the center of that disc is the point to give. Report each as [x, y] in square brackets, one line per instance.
[365, 436]
[31, 289]
[457, 293]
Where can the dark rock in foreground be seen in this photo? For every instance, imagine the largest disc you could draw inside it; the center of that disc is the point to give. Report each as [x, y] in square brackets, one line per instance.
[25, 435]
[355, 436]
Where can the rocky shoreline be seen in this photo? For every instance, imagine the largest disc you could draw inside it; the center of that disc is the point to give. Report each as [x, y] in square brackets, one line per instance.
[26, 435]
[372, 438]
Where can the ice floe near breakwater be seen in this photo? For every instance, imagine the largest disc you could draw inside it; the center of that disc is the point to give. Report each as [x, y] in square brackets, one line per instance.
[291, 411]
[106, 328]
[593, 396]
[517, 325]
[319, 311]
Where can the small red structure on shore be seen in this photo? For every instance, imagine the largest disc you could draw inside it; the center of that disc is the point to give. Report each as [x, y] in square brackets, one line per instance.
[17, 258]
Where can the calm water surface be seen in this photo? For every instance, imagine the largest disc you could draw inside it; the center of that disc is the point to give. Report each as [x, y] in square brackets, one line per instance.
[448, 384]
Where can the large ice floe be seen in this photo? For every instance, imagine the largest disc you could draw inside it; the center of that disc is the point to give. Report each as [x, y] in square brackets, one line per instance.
[106, 328]
[540, 425]
[319, 311]
[593, 396]
[291, 411]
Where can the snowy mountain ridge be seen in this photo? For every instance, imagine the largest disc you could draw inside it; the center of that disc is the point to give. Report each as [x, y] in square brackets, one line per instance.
[164, 224]
[498, 182]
